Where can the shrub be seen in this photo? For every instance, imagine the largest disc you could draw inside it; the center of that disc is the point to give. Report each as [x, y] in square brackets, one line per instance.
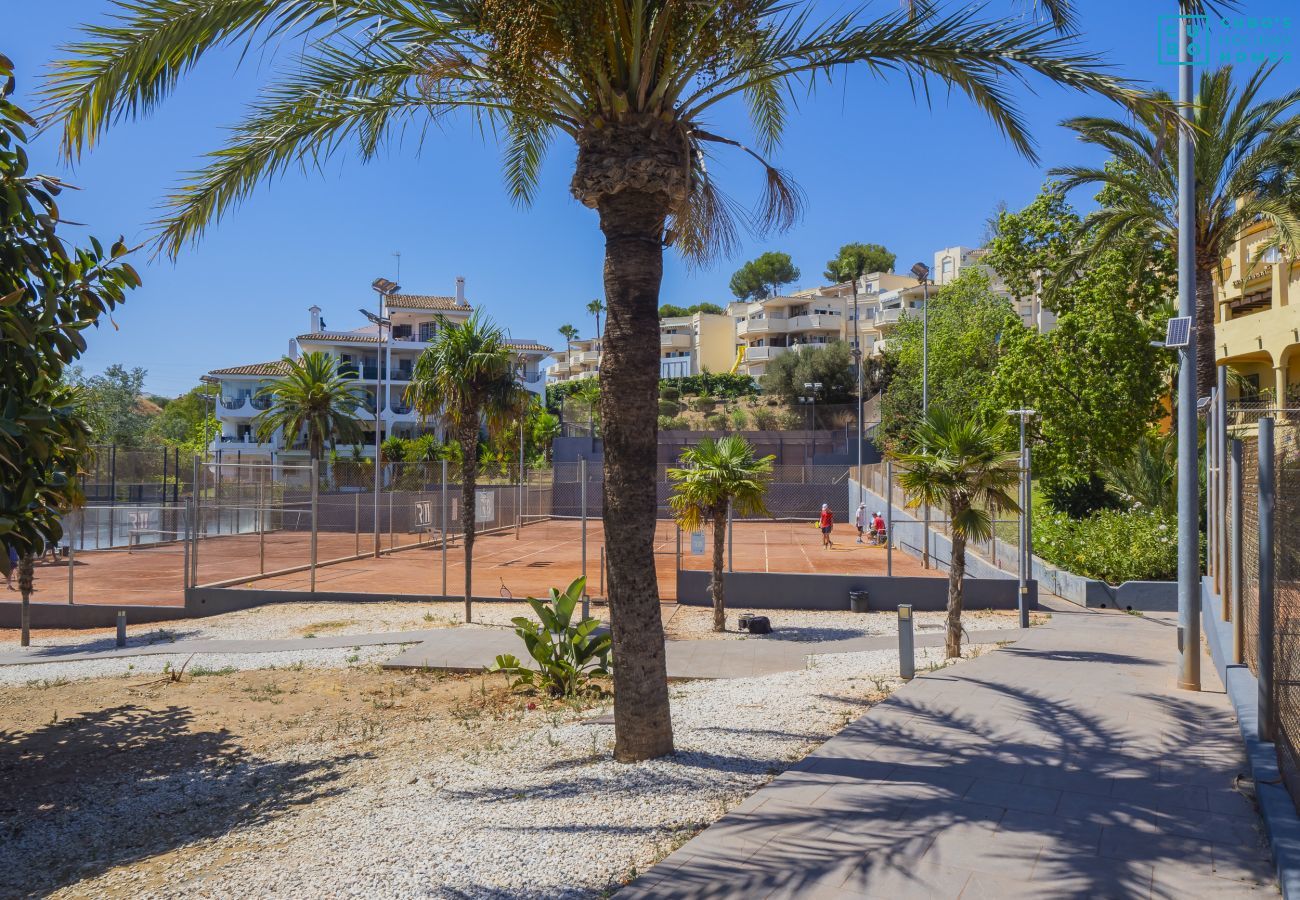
[788, 421]
[668, 408]
[668, 391]
[720, 384]
[764, 419]
[568, 653]
[673, 423]
[715, 422]
[739, 420]
[1080, 497]
[1111, 545]
[703, 403]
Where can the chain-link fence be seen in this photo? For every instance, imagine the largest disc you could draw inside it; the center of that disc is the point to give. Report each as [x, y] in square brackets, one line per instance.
[1286, 583]
[149, 475]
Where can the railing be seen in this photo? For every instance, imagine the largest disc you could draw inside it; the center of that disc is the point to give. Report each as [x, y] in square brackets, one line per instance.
[233, 402]
[400, 409]
[815, 321]
[260, 402]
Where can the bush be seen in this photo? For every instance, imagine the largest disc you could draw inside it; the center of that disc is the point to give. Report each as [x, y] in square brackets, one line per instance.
[788, 421]
[739, 420]
[721, 384]
[668, 408]
[764, 419]
[673, 423]
[1079, 498]
[715, 422]
[1111, 545]
[668, 391]
[568, 654]
[703, 403]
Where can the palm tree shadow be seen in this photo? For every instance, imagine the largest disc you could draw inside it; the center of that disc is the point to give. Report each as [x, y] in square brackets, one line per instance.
[107, 788]
[912, 780]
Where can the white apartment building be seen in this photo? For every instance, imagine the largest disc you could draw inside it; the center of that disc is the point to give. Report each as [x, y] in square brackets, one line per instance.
[580, 359]
[381, 364]
[688, 345]
[949, 262]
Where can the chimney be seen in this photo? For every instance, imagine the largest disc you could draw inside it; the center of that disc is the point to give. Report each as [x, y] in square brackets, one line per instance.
[315, 318]
[293, 349]
[460, 290]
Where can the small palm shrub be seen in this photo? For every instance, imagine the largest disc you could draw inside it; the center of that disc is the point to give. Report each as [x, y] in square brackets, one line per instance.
[568, 654]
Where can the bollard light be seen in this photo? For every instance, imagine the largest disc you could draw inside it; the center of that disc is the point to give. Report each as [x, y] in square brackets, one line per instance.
[906, 643]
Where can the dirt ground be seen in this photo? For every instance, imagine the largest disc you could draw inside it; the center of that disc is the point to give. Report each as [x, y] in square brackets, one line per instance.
[127, 770]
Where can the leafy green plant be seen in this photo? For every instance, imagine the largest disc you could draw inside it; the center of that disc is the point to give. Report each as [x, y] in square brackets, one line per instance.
[1111, 545]
[764, 419]
[716, 422]
[669, 408]
[739, 419]
[673, 423]
[703, 403]
[568, 653]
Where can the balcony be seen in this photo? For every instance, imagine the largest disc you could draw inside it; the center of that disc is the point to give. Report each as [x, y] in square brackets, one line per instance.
[889, 317]
[260, 403]
[816, 322]
[674, 341]
[588, 356]
[763, 354]
[879, 347]
[233, 403]
[762, 326]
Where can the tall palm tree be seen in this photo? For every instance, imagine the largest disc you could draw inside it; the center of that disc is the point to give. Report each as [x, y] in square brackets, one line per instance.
[1246, 171]
[632, 83]
[314, 397]
[468, 375]
[570, 334]
[715, 476]
[961, 464]
[596, 307]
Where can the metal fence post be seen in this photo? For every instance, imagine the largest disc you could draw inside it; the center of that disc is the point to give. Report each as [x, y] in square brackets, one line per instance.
[444, 528]
[1234, 566]
[1221, 491]
[198, 524]
[906, 643]
[390, 516]
[356, 523]
[582, 499]
[315, 496]
[185, 549]
[730, 535]
[1267, 502]
[1211, 555]
[889, 517]
[261, 530]
[72, 557]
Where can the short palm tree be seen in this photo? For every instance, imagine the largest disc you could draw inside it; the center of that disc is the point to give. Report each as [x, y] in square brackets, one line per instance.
[1148, 476]
[716, 476]
[313, 398]
[960, 464]
[468, 376]
[634, 84]
[1246, 172]
[570, 334]
[596, 307]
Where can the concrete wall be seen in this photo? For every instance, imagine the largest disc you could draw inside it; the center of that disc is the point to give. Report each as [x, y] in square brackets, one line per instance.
[70, 615]
[782, 590]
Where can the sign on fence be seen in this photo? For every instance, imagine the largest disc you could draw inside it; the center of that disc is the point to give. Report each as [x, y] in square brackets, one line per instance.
[484, 506]
[697, 543]
[423, 515]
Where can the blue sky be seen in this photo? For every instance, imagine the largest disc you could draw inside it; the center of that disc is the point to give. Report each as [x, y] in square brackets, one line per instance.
[875, 166]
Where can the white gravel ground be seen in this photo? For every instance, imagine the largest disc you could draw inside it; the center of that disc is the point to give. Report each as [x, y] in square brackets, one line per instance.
[59, 672]
[548, 814]
[696, 623]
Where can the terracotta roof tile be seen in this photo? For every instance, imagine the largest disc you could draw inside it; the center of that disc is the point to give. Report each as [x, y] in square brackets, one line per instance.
[276, 368]
[529, 345]
[341, 337]
[422, 301]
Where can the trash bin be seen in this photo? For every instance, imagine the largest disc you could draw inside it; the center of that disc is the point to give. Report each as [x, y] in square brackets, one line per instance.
[858, 601]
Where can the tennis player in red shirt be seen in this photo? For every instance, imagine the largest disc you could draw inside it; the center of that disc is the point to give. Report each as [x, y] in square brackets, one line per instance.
[827, 522]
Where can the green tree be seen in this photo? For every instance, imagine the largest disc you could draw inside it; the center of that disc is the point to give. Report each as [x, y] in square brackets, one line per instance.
[468, 376]
[855, 260]
[1245, 161]
[596, 307]
[673, 311]
[1032, 245]
[187, 422]
[1094, 380]
[312, 398]
[830, 364]
[633, 84]
[570, 334]
[112, 404]
[50, 293]
[961, 463]
[713, 477]
[970, 327]
[762, 277]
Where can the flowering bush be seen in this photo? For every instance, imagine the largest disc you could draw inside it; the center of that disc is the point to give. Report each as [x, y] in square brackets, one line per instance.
[1110, 545]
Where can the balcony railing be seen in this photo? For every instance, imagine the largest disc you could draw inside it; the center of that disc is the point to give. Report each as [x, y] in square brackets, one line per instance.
[233, 402]
[260, 402]
[400, 409]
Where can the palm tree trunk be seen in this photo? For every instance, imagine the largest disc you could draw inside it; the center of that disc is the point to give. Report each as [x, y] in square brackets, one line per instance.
[468, 437]
[26, 571]
[715, 587]
[633, 223]
[956, 573]
[1206, 376]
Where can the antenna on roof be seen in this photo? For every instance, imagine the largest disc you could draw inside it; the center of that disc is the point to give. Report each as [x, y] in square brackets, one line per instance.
[398, 254]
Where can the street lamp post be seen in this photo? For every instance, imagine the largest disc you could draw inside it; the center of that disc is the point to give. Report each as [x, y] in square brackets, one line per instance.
[384, 288]
[1189, 591]
[810, 398]
[1024, 564]
[922, 273]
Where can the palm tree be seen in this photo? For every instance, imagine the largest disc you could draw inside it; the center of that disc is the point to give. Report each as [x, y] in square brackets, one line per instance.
[468, 374]
[715, 476]
[959, 463]
[312, 397]
[570, 334]
[633, 83]
[596, 307]
[1245, 167]
[1148, 476]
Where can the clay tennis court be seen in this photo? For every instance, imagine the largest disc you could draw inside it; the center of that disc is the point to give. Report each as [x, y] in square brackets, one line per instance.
[546, 554]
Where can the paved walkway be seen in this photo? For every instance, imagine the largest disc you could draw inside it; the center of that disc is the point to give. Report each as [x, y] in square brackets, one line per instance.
[1066, 765]
[470, 649]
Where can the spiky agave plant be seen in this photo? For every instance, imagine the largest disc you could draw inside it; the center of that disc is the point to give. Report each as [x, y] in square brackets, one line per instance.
[631, 83]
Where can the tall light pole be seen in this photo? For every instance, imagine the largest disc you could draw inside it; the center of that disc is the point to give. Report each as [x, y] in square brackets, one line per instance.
[922, 273]
[1024, 565]
[1189, 591]
[810, 397]
[857, 359]
[384, 289]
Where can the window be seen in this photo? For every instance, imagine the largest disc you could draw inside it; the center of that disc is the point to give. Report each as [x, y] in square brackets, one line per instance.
[946, 267]
[428, 331]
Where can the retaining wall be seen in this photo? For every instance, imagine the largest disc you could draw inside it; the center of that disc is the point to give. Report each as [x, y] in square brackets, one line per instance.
[790, 590]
